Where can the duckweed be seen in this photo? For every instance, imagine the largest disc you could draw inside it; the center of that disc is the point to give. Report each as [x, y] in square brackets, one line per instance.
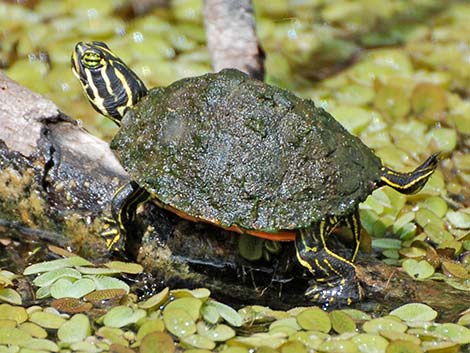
[418, 269]
[415, 312]
[76, 329]
[408, 327]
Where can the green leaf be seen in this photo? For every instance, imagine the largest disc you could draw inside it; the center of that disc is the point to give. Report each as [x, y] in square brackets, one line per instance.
[370, 343]
[64, 288]
[157, 342]
[357, 315]
[46, 279]
[189, 304]
[453, 332]
[314, 319]
[104, 282]
[403, 347]
[121, 316]
[271, 340]
[46, 319]
[14, 336]
[97, 270]
[149, 326]
[418, 270]
[43, 292]
[459, 219]
[125, 267]
[227, 313]
[198, 341]
[11, 312]
[33, 329]
[250, 247]
[342, 322]
[210, 313]
[415, 312]
[384, 324]
[38, 344]
[75, 330]
[339, 346]
[9, 295]
[155, 300]
[56, 264]
[219, 333]
[386, 243]
[179, 322]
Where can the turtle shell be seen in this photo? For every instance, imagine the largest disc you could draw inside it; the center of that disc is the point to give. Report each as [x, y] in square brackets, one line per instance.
[234, 151]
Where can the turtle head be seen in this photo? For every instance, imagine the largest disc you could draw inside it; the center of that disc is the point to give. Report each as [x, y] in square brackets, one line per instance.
[110, 85]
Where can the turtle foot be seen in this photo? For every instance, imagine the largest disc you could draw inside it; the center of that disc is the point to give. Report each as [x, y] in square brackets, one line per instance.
[334, 292]
[112, 234]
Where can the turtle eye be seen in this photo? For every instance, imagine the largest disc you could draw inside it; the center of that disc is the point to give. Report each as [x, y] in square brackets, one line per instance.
[92, 60]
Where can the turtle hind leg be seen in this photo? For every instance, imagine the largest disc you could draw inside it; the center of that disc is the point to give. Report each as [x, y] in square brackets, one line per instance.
[335, 277]
[412, 182]
[353, 221]
[123, 209]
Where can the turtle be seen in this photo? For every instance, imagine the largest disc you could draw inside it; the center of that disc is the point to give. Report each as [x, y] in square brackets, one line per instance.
[230, 150]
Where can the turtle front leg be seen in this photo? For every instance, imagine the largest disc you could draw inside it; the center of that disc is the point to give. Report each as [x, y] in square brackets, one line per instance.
[123, 209]
[335, 276]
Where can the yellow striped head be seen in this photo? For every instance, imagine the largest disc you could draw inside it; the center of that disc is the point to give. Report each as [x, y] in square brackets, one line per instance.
[111, 87]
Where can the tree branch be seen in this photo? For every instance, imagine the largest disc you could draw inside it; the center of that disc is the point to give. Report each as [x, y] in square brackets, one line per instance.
[231, 36]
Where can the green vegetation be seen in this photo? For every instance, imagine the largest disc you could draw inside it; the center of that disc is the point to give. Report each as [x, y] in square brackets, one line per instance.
[396, 74]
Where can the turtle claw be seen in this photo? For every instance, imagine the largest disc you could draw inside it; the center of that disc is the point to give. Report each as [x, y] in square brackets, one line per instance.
[334, 292]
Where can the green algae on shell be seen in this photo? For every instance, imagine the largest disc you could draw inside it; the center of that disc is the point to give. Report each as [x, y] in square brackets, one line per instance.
[156, 131]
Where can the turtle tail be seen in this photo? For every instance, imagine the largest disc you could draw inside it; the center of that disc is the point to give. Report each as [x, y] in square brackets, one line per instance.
[412, 182]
